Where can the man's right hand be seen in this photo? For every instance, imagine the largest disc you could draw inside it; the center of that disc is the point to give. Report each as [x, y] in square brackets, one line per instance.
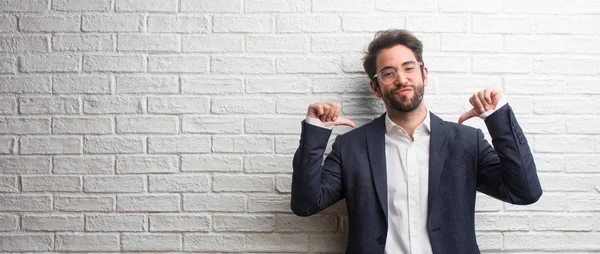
[328, 113]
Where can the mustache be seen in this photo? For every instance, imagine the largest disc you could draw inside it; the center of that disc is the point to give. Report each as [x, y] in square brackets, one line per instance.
[403, 87]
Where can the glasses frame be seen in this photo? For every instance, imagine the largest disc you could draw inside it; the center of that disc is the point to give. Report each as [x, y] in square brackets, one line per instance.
[378, 75]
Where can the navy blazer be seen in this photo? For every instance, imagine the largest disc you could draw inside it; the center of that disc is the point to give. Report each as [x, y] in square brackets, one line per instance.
[461, 162]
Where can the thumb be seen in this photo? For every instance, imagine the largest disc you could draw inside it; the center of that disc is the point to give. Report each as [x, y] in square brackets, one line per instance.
[467, 115]
[340, 121]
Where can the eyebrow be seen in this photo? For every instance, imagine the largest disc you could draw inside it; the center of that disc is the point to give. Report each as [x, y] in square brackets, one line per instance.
[405, 63]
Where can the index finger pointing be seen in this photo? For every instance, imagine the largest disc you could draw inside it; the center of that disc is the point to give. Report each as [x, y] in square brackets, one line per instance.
[467, 115]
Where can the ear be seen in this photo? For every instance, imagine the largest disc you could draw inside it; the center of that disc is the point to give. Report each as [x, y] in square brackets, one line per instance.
[425, 78]
[375, 88]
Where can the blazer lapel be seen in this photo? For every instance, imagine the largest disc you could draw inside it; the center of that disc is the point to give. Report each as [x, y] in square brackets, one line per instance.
[437, 154]
[376, 152]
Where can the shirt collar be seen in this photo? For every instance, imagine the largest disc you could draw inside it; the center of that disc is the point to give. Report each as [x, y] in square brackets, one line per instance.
[389, 124]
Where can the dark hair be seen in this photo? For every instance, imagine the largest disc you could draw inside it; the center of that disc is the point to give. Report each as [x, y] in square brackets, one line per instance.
[386, 39]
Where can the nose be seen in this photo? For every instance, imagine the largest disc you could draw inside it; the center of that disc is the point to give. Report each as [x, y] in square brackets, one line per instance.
[401, 78]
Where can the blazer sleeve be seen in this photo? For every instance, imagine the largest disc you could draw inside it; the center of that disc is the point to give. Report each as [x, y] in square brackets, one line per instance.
[315, 186]
[507, 173]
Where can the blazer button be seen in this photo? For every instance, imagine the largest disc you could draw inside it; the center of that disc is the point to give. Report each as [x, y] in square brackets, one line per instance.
[380, 240]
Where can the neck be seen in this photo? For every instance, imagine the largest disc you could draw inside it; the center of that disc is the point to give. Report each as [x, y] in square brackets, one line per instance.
[408, 120]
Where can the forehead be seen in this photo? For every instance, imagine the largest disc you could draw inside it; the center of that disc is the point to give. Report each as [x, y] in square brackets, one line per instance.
[394, 56]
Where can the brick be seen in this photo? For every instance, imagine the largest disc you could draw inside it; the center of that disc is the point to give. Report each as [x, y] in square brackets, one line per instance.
[220, 242]
[551, 241]
[146, 5]
[564, 144]
[582, 163]
[29, 84]
[341, 84]
[8, 23]
[543, 125]
[52, 222]
[502, 222]
[243, 223]
[50, 145]
[476, 6]
[536, 44]
[565, 25]
[54, 62]
[212, 43]
[267, 164]
[533, 86]
[243, 24]
[141, 164]
[561, 182]
[82, 125]
[25, 165]
[583, 126]
[277, 85]
[214, 203]
[260, 204]
[243, 65]
[8, 64]
[308, 65]
[177, 24]
[269, 125]
[9, 222]
[148, 42]
[372, 23]
[502, 64]
[24, 6]
[489, 241]
[63, 23]
[514, 6]
[114, 184]
[179, 223]
[67, 84]
[329, 43]
[82, 42]
[23, 43]
[242, 144]
[25, 203]
[211, 163]
[486, 203]
[86, 242]
[556, 222]
[318, 223]
[151, 242]
[547, 65]
[148, 203]
[271, 43]
[327, 243]
[549, 162]
[84, 203]
[277, 6]
[472, 43]
[51, 183]
[299, 105]
[179, 183]
[202, 85]
[233, 183]
[469, 84]
[548, 202]
[178, 63]
[179, 144]
[8, 184]
[26, 241]
[48, 105]
[308, 24]
[220, 6]
[81, 5]
[582, 45]
[277, 242]
[444, 23]
[113, 144]
[583, 203]
[586, 7]
[567, 106]
[8, 106]
[283, 184]
[369, 105]
[212, 125]
[112, 23]
[448, 63]
[178, 105]
[491, 24]
[349, 6]
[114, 63]
[149, 124]
[582, 86]
[83, 165]
[7, 145]
[147, 84]
[115, 222]
[248, 105]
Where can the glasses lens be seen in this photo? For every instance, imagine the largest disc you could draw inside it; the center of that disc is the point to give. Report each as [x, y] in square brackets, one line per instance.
[388, 76]
[410, 68]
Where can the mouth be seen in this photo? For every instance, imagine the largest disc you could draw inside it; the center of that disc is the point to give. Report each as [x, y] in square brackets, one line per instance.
[404, 91]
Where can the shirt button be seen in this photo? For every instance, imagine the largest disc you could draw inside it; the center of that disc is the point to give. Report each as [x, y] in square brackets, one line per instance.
[380, 240]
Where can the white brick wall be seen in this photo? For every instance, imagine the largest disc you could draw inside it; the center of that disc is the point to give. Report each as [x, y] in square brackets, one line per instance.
[170, 125]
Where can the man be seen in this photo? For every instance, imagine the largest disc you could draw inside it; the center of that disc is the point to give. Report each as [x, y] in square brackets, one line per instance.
[409, 178]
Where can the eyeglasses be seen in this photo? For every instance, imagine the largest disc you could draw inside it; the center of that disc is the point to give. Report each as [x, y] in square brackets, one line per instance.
[389, 75]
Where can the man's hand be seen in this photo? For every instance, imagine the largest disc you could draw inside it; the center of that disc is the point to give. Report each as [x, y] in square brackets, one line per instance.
[482, 101]
[328, 113]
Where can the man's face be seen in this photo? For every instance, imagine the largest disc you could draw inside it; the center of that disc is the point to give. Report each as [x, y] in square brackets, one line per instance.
[404, 94]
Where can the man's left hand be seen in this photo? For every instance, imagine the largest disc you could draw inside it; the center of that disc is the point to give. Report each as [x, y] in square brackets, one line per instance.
[482, 101]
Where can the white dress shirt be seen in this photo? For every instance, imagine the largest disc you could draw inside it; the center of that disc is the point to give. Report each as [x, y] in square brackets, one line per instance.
[407, 163]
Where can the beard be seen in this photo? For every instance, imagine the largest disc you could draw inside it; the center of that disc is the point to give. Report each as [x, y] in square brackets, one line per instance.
[405, 103]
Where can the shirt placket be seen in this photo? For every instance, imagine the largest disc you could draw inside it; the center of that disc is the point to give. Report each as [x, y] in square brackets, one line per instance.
[413, 195]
